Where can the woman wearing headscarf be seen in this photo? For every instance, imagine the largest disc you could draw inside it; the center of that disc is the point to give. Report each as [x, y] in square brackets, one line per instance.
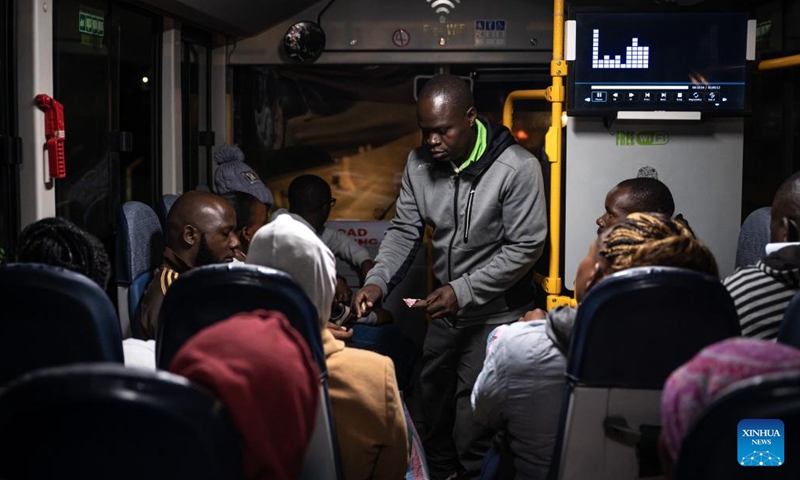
[367, 408]
[696, 384]
[262, 370]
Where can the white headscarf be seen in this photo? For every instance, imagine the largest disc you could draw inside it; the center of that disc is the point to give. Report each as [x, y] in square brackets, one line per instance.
[288, 245]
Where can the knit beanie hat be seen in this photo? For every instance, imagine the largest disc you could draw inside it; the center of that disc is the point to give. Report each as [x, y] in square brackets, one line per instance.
[233, 175]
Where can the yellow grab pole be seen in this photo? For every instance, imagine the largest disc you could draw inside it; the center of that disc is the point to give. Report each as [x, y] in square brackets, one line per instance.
[782, 62]
[508, 106]
[553, 148]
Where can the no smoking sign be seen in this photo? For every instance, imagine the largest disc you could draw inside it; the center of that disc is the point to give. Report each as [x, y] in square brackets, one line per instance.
[401, 38]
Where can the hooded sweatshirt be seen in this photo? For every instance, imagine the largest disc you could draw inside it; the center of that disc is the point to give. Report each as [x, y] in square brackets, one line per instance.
[761, 292]
[271, 393]
[288, 245]
[489, 228]
[367, 409]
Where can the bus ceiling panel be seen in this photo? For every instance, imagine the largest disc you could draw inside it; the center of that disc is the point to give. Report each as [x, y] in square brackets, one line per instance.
[236, 18]
[415, 31]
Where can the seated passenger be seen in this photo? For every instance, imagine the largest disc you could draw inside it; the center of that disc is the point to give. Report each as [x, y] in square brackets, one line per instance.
[367, 409]
[200, 231]
[233, 175]
[641, 194]
[761, 292]
[61, 243]
[310, 202]
[251, 215]
[696, 384]
[521, 386]
[271, 393]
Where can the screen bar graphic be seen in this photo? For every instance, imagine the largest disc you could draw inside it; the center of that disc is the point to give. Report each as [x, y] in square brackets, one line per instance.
[640, 87]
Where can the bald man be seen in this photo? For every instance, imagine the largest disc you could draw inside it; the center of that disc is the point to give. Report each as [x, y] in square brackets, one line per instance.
[200, 231]
[761, 292]
[483, 196]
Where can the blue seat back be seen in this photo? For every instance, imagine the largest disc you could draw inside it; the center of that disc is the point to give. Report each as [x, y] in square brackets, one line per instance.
[101, 421]
[206, 295]
[753, 237]
[631, 331]
[653, 319]
[709, 449]
[789, 332]
[163, 207]
[139, 250]
[53, 316]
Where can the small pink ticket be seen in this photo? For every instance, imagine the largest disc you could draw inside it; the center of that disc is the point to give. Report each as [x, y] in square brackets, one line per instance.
[411, 301]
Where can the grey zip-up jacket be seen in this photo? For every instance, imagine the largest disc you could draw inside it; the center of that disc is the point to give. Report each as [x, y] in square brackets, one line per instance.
[489, 228]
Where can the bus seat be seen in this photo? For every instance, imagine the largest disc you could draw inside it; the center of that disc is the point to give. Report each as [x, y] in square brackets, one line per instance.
[753, 237]
[789, 333]
[101, 421]
[163, 207]
[632, 330]
[53, 316]
[709, 449]
[210, 294]
[139, 249]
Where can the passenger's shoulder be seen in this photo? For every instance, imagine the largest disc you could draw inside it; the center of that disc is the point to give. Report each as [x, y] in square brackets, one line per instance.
[363, 354]
[520, 338]
[742, 273]
[361, 370]
[364, 361]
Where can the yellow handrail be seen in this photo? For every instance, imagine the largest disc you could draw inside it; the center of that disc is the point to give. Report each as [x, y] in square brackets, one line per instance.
[553, 148]
[508, 106]
[782, 62]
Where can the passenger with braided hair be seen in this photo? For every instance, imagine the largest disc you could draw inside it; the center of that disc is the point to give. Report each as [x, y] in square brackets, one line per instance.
[520, 389]
[649, 239]
[61, 243]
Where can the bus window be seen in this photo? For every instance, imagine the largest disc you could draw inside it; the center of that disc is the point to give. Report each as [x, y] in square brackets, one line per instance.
[354, 126]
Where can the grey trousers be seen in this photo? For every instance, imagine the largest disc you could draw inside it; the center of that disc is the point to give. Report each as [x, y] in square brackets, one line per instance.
[452, 359]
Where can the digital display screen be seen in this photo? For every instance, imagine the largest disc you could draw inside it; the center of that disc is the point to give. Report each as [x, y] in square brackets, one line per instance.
[659, 61]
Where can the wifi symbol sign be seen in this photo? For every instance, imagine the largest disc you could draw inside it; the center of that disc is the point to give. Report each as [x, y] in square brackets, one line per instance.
[443, 6]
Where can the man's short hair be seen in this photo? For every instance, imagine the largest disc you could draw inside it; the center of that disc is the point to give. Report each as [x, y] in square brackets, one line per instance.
[244, 205]
[649, 195]
[308, 193]
[455, 89]
[787, 198]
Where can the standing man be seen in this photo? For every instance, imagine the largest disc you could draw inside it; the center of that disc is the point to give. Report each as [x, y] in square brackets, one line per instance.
[483, 195]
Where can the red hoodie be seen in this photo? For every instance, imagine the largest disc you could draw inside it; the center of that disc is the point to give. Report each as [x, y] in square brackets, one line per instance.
[262, 370]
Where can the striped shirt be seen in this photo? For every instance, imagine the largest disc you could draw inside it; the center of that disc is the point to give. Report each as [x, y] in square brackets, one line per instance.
[761, 294]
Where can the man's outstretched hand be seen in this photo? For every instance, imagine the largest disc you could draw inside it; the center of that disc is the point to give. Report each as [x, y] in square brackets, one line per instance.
[440, 303]
[365, 299]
